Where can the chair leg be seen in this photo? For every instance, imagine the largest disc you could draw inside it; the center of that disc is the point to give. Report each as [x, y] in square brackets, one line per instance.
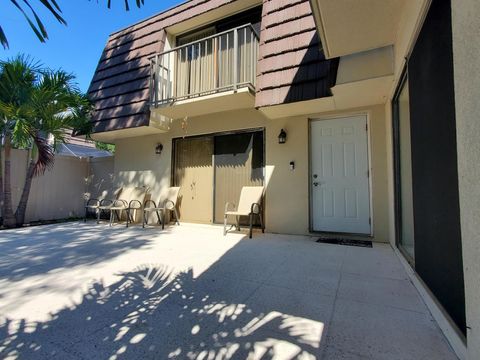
[251, 225]
[237, 219]
[128, 216]
[85, 218]
[98, 215]
[111, 217]
[225, 225]
[158, 217]
[261, 222]
[163, 219]
[131, 216]
[144, 219]
[176, 216]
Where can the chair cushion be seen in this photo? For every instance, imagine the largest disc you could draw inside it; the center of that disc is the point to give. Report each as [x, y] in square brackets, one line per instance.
[237, 213]
[248, 196]
[117, 207]
[153, 209]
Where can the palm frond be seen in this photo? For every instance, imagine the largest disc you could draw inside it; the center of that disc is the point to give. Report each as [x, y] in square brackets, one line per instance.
[54, 9]
[139, 4]
[3, 39]
[40, 30]
[18, 76]
[36, 102]
[21, 133]
[45, 156]
[36, 24]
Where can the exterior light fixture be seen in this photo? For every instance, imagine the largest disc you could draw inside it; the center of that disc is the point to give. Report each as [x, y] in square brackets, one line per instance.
[282, 137]
[158, 149]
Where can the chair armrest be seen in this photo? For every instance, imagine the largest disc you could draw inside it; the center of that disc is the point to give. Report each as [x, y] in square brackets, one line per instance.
[119, 202]
[96, 201]
[149, 202]
[167, 202]
[229, 204]
[133, 202]
[106, 202]
[257, 206]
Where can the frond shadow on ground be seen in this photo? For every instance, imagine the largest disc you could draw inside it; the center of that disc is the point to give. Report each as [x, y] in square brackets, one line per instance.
[155, 313]
[38, 250]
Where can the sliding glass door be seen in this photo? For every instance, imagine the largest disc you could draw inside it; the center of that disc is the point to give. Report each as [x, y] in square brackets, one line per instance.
[211, 171]
[238, 162]
[194, 174]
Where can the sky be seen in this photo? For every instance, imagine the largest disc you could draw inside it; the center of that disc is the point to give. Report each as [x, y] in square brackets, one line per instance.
[76, 47]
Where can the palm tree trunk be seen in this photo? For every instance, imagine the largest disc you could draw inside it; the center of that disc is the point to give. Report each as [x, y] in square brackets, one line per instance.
[8, 216]
[1, 181]
[22, 204]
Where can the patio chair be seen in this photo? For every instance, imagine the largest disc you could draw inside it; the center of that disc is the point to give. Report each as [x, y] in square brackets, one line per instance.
[130, 199]
[248, 205]
[94, 204]
[167, 203]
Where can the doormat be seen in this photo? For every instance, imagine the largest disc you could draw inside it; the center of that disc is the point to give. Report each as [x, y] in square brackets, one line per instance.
[347, 242]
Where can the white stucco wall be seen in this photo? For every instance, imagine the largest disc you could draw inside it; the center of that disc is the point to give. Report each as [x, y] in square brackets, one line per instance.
[466, 56]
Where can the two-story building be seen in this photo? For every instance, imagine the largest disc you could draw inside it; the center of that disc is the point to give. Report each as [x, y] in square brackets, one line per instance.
[344, 110]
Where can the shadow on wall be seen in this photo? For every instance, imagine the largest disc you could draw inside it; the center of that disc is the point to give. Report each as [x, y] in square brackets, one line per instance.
[153, 312]
[99, 181]
[315, 76]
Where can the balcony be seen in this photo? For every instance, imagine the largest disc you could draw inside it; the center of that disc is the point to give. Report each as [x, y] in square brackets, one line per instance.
[216, 72]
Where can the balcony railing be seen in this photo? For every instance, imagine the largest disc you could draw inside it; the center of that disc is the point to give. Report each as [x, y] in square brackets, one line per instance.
[221, 62]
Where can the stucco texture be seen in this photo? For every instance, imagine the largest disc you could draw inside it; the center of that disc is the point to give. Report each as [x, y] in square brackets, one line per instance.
[287, 195]
[466, 55]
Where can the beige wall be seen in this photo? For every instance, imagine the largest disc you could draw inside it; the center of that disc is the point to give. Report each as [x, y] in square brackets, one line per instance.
[287, 205]
[466, 55]
[413, 15]
[365, 65]
[58, 194]
[100, 177]
[293, 186]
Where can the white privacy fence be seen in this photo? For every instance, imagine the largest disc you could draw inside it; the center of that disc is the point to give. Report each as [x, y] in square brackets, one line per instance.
[59, 193]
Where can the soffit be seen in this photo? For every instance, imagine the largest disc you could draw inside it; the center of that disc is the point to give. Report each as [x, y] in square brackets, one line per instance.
[351, 26]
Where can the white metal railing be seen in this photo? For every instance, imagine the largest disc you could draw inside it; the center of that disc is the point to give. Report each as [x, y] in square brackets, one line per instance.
[221, 62]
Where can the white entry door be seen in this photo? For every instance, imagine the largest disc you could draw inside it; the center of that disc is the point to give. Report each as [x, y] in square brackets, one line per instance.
[339, 175]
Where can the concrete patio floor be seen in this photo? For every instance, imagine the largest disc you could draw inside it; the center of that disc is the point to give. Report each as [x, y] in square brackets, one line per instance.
[87, 291]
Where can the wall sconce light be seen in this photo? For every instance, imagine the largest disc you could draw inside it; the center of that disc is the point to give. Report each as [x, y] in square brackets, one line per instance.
[158, 149]
[282, 137]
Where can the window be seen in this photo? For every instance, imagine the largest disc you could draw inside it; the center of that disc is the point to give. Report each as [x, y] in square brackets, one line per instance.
[403, 171]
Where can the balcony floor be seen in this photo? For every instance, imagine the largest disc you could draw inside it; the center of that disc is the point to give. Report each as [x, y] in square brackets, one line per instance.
[84, 291]
[228, 100]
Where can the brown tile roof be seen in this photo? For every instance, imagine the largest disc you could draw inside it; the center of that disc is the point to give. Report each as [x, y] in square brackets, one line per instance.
[291, 66]
[119, 88]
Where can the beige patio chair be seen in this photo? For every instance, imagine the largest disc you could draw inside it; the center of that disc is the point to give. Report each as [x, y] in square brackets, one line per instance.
[166, 203]
[248, 205]
[130, 199]
[95, 203]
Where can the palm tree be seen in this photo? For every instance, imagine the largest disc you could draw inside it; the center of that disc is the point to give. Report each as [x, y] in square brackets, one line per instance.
[35, 103]
[36, 23]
